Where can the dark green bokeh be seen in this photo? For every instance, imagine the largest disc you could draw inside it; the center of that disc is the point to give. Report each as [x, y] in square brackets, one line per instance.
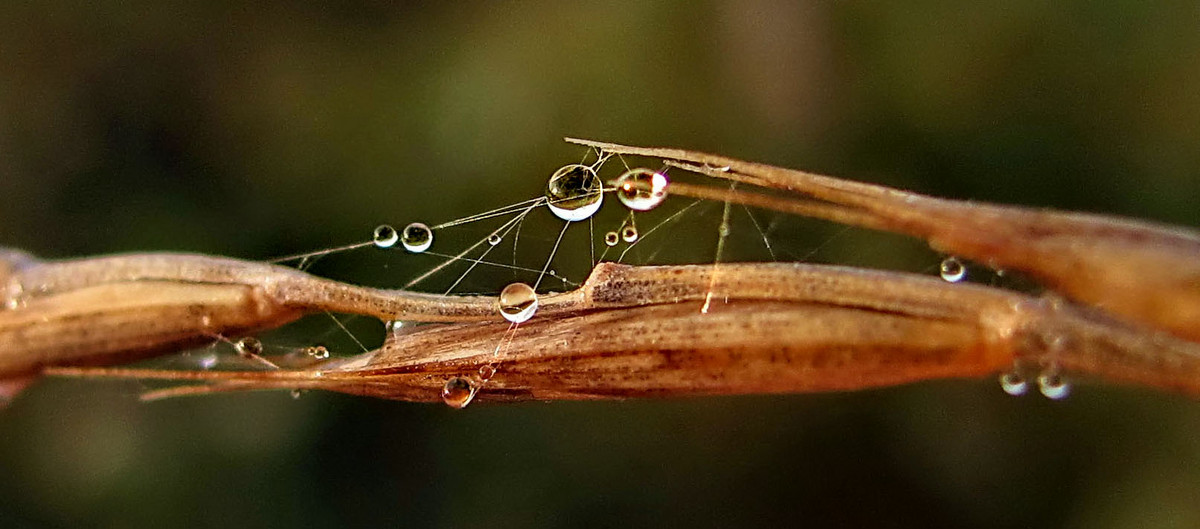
[263, 130]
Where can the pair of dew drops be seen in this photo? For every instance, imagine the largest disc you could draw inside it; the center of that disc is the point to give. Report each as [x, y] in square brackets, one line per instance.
[1050, 383]
[575, 192]
[415, 237]
[250, 347]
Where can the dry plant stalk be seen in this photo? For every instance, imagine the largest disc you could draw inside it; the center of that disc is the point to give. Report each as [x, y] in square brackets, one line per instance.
[639, 331]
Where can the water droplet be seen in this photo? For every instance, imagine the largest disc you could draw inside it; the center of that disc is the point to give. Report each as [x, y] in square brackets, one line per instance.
[1013, 383]
[386, 236]
[611, 238]
[1053, 386]
[953, 270]
[14, 295]
[417, 237]
[296, 394]
[208, 361]
[458, 392]
[318, 352]
[494, 239]
[629, 233]
[487, 372]
[642, 189]
[394, 327]
[518, 302]
[248, 347]
[574, 192]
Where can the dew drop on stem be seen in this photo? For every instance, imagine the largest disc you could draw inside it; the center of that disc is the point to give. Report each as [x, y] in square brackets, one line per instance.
[518, 302]
[1013, 383]
[953, 270]
[458, 392]
[1053, 386]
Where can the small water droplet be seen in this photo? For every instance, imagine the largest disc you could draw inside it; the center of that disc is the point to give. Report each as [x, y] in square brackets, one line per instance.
[574, 192]
[494, 239]
[386, 236]
[487, 372]
[14, 295]
[394, 327]
[458, 392]
[953, 270]
[296, 394]
[208, 361]
[1053, 386]
[611, 238]
[518, 302]
[629, 233]
[1013, 383]
[417, 237]
[248, 347]
[318, 352]
[642, 189]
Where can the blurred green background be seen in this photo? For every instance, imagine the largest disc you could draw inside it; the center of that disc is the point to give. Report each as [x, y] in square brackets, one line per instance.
[262, 130]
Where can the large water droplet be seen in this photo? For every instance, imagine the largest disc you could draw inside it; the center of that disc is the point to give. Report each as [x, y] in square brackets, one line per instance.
[518, 302]
[953, 270]
[1013, 383]
[642, 189]
[493, 239]
[1053, 386]
[458, 392]
[417, 237]
[386, 236]
[629, 233]
[611, 238]
[248, 347]
[574, 192]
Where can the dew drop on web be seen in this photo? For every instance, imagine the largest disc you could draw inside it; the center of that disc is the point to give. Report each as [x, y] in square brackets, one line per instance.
[611, 238]
[386, 236]
[416, 237]
[486, 372]
[574, 192]
[248, 347]
[642, 189]
[629, 234]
